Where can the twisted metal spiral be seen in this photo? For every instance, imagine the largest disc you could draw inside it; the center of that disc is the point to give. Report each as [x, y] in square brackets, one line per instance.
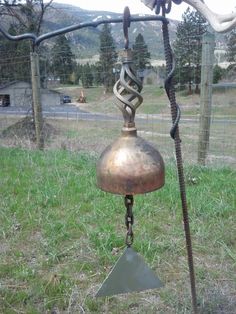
[127, 89]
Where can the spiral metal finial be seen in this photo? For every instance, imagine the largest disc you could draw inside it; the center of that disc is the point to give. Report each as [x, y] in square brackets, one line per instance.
[127, 89]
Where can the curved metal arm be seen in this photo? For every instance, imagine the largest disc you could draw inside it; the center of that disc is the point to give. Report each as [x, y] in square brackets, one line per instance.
[37, 40]
[29, 36]
[220, 22]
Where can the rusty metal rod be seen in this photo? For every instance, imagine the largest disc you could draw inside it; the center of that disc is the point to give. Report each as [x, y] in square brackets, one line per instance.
[175, 115]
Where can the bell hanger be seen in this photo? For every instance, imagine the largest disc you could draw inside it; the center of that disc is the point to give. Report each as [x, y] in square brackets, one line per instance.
[129, 166]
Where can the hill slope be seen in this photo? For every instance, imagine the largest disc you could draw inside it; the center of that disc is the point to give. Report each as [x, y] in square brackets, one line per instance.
[86, 41]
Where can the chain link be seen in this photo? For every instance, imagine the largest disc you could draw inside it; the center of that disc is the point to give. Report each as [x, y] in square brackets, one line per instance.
[129, 220]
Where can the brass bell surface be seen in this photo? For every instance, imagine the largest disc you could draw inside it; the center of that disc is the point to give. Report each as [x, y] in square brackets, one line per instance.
[130, 166]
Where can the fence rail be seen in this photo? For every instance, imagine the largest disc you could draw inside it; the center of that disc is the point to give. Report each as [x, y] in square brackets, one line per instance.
[91, 132]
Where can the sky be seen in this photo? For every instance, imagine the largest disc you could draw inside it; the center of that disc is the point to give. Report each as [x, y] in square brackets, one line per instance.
[136, 6]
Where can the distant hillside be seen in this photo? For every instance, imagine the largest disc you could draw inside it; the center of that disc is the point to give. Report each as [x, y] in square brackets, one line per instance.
[86, 41]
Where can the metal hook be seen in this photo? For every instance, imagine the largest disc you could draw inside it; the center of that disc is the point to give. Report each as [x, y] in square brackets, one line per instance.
[126, 25]
[164, 5]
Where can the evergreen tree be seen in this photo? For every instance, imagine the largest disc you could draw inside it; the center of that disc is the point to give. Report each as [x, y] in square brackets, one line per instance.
[218, 73]
[107, 58]
[97, 70]
[78, 73]
[141, 55]
[26, 16]
[14, 61]
[87, 76]
[63, 60]
[188, 48]
[231, 47]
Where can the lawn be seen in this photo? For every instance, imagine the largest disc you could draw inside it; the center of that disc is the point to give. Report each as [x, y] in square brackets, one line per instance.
[155, 101]
[60, 236]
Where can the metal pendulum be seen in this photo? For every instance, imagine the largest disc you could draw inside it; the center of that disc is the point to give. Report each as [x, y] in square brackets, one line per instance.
[130, 273]
[129, 166]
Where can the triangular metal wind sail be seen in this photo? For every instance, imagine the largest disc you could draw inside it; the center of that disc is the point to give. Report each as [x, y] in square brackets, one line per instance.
[130, 274]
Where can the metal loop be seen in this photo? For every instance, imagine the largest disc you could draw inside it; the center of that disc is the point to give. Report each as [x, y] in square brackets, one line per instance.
[129, 220]
[168, 7]
[176, 122]
[129, 200]
[177, 1]
[158, 8]
[129, 238]
[168, 87]
[126, 25]
[165, 5]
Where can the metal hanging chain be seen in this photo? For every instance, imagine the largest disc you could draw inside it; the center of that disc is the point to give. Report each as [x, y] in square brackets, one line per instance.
[175, 113]
[129, 220]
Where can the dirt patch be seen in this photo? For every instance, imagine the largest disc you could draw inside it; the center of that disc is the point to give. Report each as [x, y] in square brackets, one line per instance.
[218, 302]
[4, 248]
[24, 129]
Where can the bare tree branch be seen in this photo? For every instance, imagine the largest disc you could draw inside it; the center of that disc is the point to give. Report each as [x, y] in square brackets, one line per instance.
[28, 14]
[44, 7]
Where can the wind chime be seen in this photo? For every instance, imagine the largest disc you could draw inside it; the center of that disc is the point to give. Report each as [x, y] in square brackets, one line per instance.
[128, 167]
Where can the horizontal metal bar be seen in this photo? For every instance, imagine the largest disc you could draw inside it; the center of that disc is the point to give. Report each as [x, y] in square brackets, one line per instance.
[29, 36]
[37, 40]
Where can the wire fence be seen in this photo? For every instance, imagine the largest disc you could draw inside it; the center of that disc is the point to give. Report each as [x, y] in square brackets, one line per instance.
[93, 125]
[92, 132]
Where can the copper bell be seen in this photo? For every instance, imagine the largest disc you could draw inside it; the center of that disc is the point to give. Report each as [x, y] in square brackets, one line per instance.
[130, 165]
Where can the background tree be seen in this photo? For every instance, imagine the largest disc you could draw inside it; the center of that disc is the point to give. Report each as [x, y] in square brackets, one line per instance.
[231, 46]
[141, 55]
[27, 16]
[87, 76]
[218, 74]
[23, 16]
[107, 57]
[97, 70]
[63, 60]
[78, 73]
[14, 61]
[188, 48]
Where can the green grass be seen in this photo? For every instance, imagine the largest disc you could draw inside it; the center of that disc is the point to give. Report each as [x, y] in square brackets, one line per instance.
[94, 136]
[155, 101]
[58, 232]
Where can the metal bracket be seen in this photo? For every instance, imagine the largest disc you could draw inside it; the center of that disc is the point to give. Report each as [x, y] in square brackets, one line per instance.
[37, 40]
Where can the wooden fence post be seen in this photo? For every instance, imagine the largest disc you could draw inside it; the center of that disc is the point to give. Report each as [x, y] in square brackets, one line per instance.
[208, 46]
[37, 106]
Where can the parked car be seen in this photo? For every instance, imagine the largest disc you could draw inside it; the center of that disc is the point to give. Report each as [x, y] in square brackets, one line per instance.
[66, 99]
